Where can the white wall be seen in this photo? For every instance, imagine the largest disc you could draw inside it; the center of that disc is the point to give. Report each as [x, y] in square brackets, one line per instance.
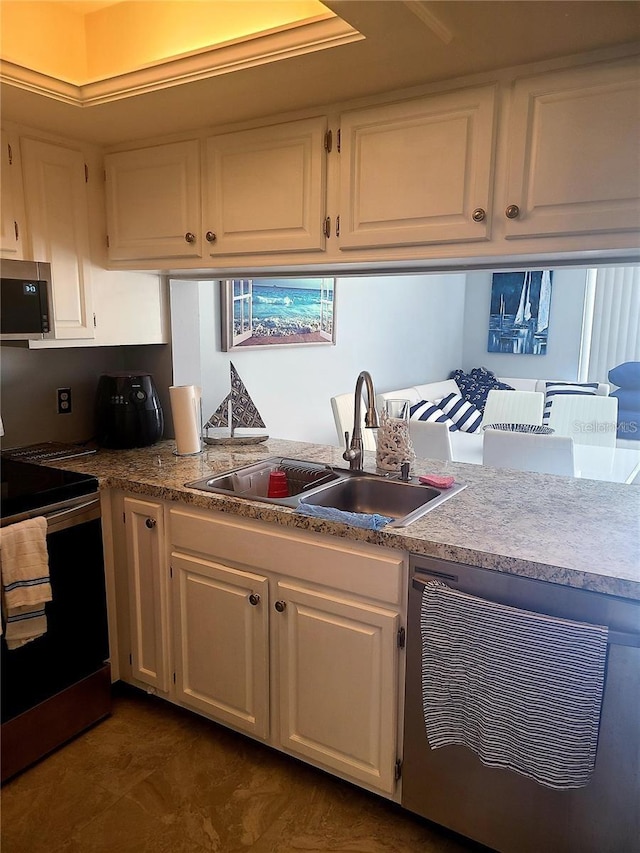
[402, 329]
[565, 327]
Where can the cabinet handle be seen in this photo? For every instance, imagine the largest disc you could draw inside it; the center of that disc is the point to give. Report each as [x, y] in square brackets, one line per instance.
[254, 599]
[326, 227]
[211, 237]
[150, 523]
[478, 215]
[190, 237]
[512, 212]
[280, 606]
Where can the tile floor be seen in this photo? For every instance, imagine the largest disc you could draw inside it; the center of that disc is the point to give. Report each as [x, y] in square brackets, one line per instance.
[155, 778]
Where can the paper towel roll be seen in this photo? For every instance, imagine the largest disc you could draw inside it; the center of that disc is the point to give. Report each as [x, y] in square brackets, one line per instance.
[185, 407]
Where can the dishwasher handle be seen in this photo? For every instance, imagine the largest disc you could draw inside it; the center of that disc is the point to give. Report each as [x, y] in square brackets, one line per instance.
[615, 638]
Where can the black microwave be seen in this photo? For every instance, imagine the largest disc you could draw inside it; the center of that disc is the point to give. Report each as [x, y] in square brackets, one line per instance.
[25, 300]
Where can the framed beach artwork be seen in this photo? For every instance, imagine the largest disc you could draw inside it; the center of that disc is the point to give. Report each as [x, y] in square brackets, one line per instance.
[519, 313]
[277, 312]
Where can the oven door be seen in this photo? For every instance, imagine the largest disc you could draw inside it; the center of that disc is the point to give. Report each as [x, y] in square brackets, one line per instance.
[76, 642]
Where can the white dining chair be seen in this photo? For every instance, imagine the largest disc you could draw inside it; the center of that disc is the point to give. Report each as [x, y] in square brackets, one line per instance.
[545, 454]
[342, 408]
[513, 407]
[588, 419]
[431, 440]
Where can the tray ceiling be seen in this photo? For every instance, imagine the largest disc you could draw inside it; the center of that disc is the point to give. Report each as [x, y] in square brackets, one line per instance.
[348, 50]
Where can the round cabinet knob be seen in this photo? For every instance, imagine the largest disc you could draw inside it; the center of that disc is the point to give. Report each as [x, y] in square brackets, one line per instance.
[478, 215]
[512, 212]
[190, 237]
[211, 237]
[150, 523]
[254, 599]
[280, 606]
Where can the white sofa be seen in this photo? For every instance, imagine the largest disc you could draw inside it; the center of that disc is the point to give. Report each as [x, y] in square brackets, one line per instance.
[461, 441]
[437, 390]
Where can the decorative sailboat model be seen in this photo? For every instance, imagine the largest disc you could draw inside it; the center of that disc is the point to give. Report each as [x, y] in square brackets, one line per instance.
[237, 410]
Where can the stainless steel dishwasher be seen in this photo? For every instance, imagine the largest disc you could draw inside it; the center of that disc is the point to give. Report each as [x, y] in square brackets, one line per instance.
[501, 808]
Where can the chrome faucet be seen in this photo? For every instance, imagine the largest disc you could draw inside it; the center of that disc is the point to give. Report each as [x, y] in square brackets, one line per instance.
[353, 452]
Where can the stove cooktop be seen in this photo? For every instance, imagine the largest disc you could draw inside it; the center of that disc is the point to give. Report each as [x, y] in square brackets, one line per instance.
[26, 486]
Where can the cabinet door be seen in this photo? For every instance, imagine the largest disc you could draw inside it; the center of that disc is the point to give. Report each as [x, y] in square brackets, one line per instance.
[574, 164]
[148, 605]
[266, 189]
[153, 202]
[57, 213]
[338, 667]
[221, 629]
[418, 171]
[12, 224]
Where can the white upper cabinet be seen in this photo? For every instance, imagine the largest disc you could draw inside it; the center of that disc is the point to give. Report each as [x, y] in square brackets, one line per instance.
[153, 202]
[418, 171]
[57, 212]
[265, 189]
[510, 167]
[574, 152]
[12, 221]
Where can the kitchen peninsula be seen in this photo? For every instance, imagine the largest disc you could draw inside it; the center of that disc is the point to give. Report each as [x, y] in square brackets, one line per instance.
[579, 533]
[305, 634]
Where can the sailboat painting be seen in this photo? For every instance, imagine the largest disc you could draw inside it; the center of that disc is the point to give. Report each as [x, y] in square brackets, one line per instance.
[236, 411]
[519, 313]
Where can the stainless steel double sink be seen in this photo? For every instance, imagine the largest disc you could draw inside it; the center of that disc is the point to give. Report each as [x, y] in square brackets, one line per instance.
[322, 485]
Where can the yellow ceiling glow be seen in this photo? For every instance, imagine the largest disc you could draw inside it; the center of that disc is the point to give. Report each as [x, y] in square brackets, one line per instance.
[103, 50]
[138, 33]
[43, 36]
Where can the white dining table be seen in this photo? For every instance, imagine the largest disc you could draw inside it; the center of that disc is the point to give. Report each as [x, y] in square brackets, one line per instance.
[592, 462]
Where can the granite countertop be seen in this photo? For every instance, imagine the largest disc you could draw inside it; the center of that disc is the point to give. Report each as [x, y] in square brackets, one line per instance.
[574, 532]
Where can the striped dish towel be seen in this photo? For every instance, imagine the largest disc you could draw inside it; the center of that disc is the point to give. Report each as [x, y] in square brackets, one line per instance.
[24, 567]
[521, 689]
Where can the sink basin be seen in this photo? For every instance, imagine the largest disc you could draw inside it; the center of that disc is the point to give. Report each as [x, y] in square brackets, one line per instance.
[251, 481]
[314, 483]
[404, 502]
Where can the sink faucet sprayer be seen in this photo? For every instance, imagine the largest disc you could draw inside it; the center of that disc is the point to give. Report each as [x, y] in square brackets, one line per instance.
[353, 452]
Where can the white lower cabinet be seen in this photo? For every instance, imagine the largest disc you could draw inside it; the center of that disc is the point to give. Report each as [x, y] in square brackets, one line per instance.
[294, 638]
[337, 666]
[291, 637]
[222, 642]
[147, 589]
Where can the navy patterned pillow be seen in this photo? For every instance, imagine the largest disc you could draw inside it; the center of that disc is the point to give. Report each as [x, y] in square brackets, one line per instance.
[426, 410]
[463, 414]
[475, 385]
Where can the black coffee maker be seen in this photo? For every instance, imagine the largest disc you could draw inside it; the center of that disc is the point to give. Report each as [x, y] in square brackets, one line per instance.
[128, 410]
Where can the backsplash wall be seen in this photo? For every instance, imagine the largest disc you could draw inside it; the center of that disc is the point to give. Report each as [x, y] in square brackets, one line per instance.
[30, 379]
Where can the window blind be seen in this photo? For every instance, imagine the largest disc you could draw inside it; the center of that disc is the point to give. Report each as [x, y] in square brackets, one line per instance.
[611, 327]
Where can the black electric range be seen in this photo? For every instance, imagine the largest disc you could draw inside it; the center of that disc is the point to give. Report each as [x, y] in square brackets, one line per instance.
[59, 683]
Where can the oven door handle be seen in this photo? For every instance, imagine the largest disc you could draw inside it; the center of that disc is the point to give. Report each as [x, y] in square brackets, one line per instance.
[615, 638]
[79, 514]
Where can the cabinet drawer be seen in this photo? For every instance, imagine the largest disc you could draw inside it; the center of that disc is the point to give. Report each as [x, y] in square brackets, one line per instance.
[365, 570]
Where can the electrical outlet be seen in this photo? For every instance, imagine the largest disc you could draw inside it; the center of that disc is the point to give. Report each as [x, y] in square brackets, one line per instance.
[64, 401]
